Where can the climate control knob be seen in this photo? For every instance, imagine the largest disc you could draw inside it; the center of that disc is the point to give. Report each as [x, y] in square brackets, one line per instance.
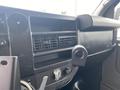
[67, 70]
[57, 74]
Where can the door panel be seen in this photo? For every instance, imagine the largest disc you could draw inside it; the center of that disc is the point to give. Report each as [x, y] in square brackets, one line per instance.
[111, 71]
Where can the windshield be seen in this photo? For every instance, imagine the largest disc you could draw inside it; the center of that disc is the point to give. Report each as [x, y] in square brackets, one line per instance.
[65, 7]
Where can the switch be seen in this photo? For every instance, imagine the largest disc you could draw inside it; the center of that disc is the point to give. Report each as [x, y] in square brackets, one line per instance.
[44, 82]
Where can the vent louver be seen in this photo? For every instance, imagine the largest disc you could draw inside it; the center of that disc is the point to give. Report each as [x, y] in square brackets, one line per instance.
[46, 42]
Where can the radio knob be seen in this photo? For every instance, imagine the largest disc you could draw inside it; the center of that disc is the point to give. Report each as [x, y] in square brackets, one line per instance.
[67, 70]
[57, 74]
[3, 43]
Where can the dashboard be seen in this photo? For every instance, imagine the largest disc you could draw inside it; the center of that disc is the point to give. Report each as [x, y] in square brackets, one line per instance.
[52, 46]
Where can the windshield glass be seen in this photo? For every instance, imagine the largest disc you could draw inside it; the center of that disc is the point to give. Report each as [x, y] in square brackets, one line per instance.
[65, 7]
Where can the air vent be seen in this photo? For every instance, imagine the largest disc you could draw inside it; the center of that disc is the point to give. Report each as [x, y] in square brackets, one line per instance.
[37, 45]
[45, 42]
[65, 41]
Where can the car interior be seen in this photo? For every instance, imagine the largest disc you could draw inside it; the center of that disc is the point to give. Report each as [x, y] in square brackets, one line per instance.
[43, 51]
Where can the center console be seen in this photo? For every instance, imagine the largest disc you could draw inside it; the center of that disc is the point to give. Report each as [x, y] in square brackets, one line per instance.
[52, 43]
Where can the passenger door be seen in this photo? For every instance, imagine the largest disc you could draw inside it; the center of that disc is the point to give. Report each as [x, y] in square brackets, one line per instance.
[111, 66]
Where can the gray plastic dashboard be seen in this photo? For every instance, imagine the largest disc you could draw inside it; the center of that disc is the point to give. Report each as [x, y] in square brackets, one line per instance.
[85, 22]
[32, 36]
[96, 33]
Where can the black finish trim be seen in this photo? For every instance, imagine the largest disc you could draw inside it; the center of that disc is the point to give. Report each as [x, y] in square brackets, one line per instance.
[87, 22]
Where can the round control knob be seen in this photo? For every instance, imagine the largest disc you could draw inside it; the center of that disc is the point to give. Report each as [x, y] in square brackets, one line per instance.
[57, 74]
[3, 43]
[67, 70]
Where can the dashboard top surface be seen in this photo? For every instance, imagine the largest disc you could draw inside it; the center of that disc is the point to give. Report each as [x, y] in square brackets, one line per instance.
[10, 10]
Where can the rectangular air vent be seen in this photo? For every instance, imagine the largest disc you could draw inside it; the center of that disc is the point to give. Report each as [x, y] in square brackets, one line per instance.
[45, 42]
